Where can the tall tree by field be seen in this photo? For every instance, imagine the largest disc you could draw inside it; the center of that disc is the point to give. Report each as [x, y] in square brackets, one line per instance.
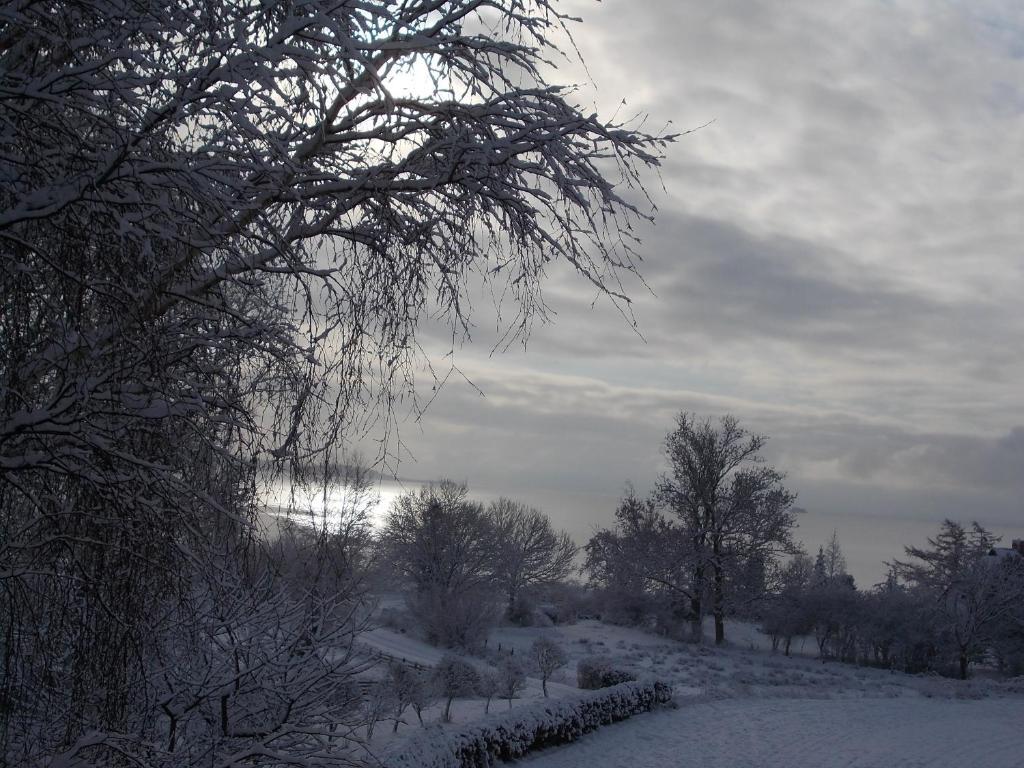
[220, 227]
[730, 505]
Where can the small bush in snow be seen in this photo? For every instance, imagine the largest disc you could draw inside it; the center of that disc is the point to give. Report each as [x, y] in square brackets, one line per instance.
[511, 678]
[510, 736]
[595, 672]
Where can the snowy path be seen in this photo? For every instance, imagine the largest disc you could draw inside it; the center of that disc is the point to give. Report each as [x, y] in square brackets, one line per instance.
[776, 733]
[401, 647]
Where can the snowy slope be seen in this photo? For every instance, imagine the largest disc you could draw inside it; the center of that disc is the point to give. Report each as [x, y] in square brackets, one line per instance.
[401, 647]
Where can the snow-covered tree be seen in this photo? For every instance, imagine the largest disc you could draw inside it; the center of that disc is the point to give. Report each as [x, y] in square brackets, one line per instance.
[511, 678]
[220, 227]
[454, 678]
[487, 687]
[444, 546]
[530, 552]
[898, 627]
[401, 683]
[786, 612]
[971, 592]
[643, 559]
[424, 694]
[548, 657]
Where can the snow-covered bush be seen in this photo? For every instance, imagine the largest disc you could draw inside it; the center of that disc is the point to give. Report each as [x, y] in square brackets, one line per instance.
[513, 734]
[595, 672]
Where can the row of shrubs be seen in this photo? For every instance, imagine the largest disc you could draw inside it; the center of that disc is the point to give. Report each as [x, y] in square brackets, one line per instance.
[511, 735]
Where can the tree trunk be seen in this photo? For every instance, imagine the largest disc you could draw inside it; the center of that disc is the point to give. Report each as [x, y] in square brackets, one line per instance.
[544, 685]
[963, 666]
[719, 592]
[697, 606]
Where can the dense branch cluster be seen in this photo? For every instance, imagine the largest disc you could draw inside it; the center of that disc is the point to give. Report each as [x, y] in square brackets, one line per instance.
[220, 226]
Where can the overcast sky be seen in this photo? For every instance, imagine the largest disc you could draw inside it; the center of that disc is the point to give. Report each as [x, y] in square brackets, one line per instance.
[836, 260]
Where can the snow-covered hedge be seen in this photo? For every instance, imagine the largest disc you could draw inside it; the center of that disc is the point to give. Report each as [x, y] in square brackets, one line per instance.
[511, 735]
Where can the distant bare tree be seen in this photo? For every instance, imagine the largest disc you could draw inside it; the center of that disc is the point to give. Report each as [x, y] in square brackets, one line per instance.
[529, 550]
[326, 548]
[443, 544]
[643, 555]
[830, 563]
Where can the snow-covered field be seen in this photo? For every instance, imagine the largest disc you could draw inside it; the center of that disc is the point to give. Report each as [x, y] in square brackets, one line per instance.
[742, 706]
[780, 733]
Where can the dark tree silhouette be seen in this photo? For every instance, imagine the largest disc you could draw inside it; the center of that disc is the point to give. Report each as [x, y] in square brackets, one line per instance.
[220, 227]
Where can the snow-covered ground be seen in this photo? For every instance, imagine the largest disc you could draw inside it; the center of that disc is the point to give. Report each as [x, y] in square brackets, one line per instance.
[779, 733]
[742, 705]
[744, 667]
